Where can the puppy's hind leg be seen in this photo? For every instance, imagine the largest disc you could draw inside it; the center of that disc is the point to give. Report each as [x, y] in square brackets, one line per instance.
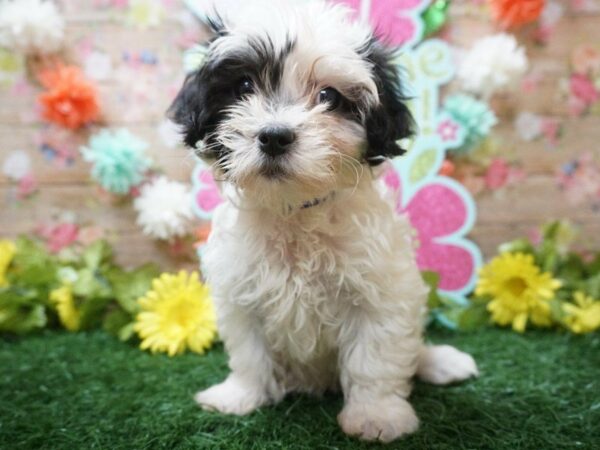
[443, 364]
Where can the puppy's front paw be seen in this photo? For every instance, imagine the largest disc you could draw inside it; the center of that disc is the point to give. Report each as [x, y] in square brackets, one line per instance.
[231, 397]
[384, 421]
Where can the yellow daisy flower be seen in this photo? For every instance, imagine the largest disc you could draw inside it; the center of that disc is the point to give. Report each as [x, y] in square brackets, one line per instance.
[584, 315]
[64, 301]
[7, 253]
[177, 313]
[519, 291]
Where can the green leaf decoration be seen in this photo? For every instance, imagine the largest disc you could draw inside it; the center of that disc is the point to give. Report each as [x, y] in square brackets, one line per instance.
[116, 320]
[432, 279]
[96, 254]
[19, 313]
[129, 286]
[473, 317]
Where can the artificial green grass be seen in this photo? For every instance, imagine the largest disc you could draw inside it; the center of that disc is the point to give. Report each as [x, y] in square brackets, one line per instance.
[87, 390]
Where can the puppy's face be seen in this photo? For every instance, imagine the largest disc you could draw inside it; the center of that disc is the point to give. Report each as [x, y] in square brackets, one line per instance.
[292, 102]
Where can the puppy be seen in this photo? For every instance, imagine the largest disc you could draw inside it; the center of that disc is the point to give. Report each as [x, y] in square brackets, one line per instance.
[312, 273]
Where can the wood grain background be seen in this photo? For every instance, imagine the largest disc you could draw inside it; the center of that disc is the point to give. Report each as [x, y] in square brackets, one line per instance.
[139, 105]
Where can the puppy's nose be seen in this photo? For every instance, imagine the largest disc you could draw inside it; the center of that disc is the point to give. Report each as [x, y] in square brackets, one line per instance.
[275, 140]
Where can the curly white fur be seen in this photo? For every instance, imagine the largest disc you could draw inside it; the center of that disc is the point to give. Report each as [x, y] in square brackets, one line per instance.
[323, 297]
[31, 26]
[164, 209]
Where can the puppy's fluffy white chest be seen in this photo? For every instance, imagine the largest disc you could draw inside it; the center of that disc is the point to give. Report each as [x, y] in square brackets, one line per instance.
[306, 280]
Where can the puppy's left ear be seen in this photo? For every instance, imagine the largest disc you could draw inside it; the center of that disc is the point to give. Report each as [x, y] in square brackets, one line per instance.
[391, 120]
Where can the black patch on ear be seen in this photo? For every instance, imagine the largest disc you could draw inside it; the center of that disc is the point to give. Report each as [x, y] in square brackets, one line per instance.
[199, 112]
[206, 95]
[391, 120]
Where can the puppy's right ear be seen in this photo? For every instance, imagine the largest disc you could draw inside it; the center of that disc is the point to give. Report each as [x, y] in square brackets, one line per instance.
[192, 109]
[189, 109]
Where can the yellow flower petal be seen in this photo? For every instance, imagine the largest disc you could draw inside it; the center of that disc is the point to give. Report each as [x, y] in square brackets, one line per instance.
[7, 253]
[519, 291]
[176, 314]
[64, 301]
[582, 316]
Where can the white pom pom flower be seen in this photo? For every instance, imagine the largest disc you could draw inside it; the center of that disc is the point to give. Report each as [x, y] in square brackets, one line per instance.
[493, 63]
[31, 26]
[164, 209]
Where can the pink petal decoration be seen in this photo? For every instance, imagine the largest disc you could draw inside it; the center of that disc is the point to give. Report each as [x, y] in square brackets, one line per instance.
[208, 197]
[454, 264]
[387, 19]
[436, 211]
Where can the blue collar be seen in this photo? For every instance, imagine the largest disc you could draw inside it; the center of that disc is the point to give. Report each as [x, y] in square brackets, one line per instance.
[317, 201]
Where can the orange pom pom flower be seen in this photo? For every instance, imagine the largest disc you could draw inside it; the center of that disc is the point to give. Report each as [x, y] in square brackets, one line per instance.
[514, 13]
[70, 99]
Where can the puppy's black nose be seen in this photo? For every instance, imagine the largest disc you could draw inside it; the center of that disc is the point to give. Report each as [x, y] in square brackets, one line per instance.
[275, 140]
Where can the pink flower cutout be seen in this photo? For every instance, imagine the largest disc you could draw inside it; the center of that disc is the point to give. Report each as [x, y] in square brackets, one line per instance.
[447, 130]
[27, 186]
[208, 196]
[583, 88]
[59, 236]
[388, 18]
[436, 211]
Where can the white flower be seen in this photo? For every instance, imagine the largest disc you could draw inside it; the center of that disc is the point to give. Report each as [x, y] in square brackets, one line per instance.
[31, 26]
[164, 209]
[97, 66]
[16, 165]
[145, 13]
[169, 133]
[493, 63]
[528, 126]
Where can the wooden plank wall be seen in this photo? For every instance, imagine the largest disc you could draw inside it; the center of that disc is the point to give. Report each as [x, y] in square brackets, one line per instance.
[504, 214]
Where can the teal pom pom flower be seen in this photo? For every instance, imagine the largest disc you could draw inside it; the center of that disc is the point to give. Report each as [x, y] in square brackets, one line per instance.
[475, 117]
[118, 160]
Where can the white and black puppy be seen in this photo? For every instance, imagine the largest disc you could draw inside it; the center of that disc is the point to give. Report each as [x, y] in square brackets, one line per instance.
[312, 273]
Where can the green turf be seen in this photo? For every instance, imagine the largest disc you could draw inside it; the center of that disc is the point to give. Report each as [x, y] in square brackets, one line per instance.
[81, 391]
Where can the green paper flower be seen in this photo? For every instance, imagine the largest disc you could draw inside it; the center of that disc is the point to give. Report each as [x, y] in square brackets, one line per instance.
[474, 116]
[118, 159]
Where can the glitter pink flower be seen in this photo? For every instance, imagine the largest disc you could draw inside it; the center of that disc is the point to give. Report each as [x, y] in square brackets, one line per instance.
[389, 18]
[437, 212]
[448, 130]
[208, 196]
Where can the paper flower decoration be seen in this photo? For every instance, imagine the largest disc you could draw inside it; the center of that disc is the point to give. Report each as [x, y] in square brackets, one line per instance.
[493, 63]
[7, 253]
[164, 209]
[206, 192]
[70, 100]
[145, 13]
[396, 21]
[436, 212]
[474, 116]
[582, 316]
[513, 13]
[16, 165]
[176, 314]
[63, 300]
[118, 159]
[519, 291]
[59, 236]
[31, 26]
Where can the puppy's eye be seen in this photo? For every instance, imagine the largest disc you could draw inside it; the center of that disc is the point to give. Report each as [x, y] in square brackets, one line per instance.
[244, 87]
[331, 97]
